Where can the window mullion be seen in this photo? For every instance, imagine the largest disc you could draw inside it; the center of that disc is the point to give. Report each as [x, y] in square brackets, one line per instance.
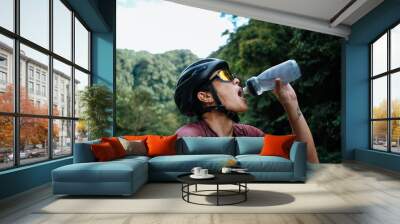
[16, 84]
[389, 106]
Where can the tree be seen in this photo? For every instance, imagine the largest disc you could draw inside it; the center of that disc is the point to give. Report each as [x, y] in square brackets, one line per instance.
[258, 46]
[145, 88]
[33, 131]
[97, 102]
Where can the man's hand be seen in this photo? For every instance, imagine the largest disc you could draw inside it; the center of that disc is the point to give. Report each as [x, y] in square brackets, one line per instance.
[285, 94]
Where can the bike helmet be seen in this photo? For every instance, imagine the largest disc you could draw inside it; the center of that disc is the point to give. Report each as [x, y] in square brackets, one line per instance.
[191, 80]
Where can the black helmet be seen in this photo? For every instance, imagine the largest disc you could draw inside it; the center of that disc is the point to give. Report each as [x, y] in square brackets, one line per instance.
[189, 82]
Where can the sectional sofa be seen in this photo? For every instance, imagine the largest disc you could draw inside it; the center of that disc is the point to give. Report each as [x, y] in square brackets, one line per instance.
[125, 176]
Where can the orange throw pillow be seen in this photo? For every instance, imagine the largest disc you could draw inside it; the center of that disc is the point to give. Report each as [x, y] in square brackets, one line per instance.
[135, 137]
[103, 152]
[116, 145]
[277, 145]
[161, 145]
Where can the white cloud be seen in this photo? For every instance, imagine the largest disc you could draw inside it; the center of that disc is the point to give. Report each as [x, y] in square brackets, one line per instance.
[159, 26]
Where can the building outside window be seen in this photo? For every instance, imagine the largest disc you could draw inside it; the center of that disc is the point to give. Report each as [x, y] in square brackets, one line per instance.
[385, 91]
[34, 75]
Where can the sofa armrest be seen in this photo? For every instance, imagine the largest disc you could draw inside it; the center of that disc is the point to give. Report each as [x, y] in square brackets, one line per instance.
[83, 152]
[298, 155]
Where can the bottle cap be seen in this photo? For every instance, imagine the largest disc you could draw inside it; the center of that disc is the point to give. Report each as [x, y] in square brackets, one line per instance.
[245, 90]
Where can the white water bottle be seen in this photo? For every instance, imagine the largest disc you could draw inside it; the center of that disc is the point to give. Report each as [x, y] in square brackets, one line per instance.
[287, 71]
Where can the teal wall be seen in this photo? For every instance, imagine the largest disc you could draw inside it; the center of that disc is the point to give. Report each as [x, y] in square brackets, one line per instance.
[355, 88]
[99, 16]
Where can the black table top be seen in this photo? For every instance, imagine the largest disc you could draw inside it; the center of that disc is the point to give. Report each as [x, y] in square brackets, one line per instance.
[220, 178]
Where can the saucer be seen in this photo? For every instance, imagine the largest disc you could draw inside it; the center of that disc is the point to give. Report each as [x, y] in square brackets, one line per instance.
[208, 176]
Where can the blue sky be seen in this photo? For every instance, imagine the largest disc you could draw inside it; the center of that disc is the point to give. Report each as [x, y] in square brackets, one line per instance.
[158, 26]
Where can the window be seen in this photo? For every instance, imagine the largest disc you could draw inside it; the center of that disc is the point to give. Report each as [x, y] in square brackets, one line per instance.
[81, 45]
[6, 73]
[385, 94]
[62, 29]
[7, 14]
[38, 89]
[54, 126]
[44, 91]
[34, 21]
[3, 78]
[30, 87]
[30, 72]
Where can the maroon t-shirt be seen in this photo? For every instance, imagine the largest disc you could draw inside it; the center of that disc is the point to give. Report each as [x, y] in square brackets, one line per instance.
[201, 129]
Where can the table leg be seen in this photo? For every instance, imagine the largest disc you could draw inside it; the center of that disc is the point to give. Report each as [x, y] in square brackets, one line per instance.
[245, 193]
[217, 194]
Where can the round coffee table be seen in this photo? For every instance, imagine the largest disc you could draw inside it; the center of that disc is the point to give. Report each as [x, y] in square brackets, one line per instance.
[238, 179]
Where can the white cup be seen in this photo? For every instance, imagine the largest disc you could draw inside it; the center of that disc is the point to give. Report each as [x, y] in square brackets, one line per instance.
[203, 172]
[226, 170]
[196, 170]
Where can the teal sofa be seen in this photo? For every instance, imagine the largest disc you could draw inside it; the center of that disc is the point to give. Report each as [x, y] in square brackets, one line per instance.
[125, 176]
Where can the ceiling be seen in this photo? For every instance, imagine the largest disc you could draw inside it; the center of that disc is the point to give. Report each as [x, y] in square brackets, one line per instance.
[333, 17]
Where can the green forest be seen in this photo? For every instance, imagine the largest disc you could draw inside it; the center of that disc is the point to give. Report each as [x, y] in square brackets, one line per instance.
[146, 82]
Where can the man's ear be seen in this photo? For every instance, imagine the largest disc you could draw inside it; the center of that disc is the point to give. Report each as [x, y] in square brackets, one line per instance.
[205, 97]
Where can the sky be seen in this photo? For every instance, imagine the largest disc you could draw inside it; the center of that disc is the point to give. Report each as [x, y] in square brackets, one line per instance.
[157, 26]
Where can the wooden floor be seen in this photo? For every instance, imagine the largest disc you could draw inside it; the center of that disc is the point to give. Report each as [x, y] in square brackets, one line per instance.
[377, 188]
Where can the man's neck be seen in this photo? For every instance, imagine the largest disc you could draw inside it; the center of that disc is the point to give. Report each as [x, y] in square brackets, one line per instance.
[221, 124]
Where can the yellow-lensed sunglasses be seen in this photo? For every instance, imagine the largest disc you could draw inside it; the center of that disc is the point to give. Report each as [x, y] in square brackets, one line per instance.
[223, 75]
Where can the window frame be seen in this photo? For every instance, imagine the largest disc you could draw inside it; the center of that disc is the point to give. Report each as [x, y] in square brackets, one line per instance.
[16, 114]
[388, 74]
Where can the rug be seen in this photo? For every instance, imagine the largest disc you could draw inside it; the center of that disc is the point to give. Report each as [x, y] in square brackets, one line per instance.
[166, 198]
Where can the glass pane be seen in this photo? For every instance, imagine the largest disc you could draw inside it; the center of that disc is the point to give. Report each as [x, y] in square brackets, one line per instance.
[379, 135]
[81, 45]
[395, 136]
[62, 29]
[62, 89]
[395, 94]
[62, 138]
[81, 81]
[379, 97]
[33, 139]
[34, 97]
[379, 55]
[7, 14]
[34, 17]
[6, 74]
[6, 142]
[81, 131]
[395, 47]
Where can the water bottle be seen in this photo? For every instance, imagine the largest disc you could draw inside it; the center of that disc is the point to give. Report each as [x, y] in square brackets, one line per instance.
[287, 71]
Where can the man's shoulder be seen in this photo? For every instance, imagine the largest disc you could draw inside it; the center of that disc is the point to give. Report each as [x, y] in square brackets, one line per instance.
[248, 130]
[193, 129]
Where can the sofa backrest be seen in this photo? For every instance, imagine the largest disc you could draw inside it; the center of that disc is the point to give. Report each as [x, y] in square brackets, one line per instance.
[83, 152]
[249, 145]
[205, 145]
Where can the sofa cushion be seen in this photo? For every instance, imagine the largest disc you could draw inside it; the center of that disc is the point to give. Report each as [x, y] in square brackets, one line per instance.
[116, 145]
[249, 145]
[161, 145]
[277, 145]
[257, 163]
[103, 152]
[112, 171]
[206, 145]
[134, 147]
[185, 163]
